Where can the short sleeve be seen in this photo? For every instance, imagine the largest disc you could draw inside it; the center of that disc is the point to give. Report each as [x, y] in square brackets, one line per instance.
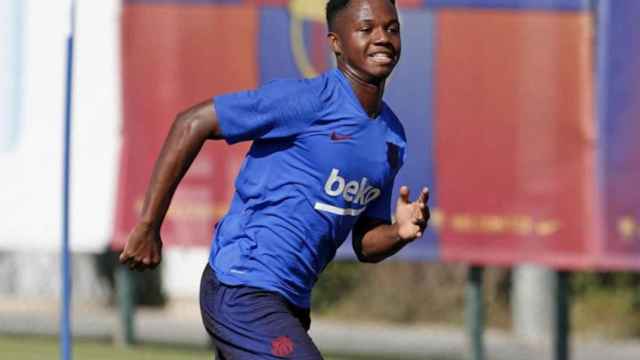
[280, 108]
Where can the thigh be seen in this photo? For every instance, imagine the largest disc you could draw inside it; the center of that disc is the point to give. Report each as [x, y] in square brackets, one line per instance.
[247, 323]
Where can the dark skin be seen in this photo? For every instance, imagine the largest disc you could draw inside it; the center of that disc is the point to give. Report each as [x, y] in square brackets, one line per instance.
[366, 40]
[365, 37]
[187, 135]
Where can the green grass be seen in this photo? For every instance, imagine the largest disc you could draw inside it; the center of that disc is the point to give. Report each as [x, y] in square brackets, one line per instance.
[41, 348]
[46, 348]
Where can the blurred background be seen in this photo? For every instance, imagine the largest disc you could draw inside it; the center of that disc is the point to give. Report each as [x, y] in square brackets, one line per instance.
[521, 116]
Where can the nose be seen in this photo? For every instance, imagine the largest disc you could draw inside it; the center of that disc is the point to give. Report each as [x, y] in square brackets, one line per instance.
[380, 36]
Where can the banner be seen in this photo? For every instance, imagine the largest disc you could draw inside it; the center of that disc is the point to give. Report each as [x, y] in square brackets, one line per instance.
[515, 137]
[527, 161]
[173, 57]
[170, 44]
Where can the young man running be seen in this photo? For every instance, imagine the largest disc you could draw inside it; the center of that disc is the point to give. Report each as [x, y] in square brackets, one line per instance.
[324, 157]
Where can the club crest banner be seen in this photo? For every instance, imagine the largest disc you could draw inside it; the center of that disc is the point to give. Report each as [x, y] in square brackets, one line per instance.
[518, 121]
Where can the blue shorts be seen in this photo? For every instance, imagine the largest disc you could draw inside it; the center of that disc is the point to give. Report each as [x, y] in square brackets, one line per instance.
[247, 323]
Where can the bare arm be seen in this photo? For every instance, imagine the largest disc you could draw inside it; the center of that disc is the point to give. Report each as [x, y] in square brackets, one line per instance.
[188, 133]
[375, 240]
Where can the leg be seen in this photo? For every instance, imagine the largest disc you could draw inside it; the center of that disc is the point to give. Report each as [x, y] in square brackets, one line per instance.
[247, 323]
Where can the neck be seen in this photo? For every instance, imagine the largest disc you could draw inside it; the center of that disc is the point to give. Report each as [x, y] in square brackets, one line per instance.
[369, 93]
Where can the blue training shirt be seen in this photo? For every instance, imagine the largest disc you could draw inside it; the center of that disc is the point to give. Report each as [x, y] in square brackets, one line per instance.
[317, 162]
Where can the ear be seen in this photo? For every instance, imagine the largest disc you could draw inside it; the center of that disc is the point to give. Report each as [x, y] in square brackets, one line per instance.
[334, 43]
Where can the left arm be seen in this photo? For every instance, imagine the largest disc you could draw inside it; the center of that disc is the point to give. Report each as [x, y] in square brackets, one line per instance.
[375, 240]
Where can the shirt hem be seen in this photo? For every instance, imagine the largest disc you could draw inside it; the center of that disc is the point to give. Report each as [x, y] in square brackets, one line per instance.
[231, 280]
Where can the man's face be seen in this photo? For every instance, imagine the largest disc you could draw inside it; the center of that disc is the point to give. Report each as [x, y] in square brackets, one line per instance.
[367, 38]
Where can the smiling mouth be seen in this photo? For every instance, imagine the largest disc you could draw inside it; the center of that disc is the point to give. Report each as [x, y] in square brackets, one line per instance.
[382, 58]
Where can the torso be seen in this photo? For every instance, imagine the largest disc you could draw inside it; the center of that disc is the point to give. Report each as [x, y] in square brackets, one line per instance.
[297, 198]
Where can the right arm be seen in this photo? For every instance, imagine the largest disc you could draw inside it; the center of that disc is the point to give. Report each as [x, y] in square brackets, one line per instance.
[188, 133]
[263, 113]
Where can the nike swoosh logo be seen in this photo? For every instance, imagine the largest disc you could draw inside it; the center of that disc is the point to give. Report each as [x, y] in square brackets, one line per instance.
[339, 137]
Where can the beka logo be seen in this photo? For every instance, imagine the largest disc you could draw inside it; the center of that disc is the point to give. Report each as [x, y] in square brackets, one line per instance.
[353, 191]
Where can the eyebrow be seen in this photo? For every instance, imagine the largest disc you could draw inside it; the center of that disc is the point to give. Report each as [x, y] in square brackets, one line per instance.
[371, 21]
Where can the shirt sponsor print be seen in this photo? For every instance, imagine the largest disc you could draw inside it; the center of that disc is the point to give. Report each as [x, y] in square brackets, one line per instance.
[353, 192]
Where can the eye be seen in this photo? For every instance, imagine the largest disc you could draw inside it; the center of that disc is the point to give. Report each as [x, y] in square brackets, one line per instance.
[394, 29]
[365, 28]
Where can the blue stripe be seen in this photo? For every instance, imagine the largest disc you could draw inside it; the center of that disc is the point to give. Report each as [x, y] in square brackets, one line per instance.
[410, 94]
[555, 5]
[275, 48]
[619, 111]
[602, 89]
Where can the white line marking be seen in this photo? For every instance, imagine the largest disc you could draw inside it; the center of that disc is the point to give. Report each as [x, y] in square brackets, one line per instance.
[337, 210]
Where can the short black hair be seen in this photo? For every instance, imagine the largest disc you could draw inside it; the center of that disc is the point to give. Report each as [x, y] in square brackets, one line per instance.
[335, 6]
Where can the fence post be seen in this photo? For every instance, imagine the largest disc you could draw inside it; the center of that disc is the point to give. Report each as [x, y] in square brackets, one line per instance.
[475, 312]
[561, 317]
[125, 334]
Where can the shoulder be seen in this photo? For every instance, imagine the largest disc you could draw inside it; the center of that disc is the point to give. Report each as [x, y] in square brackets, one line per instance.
[299, 95]
[300, 88]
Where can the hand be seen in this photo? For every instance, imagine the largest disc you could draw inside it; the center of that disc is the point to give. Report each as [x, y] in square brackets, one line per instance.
[412, 218]
[143, 249]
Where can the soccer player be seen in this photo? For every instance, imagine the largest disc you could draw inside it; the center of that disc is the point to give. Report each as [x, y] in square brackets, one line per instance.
[324, 157]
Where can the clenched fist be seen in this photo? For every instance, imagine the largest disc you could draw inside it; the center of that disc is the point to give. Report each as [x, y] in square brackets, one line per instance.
[143, 250]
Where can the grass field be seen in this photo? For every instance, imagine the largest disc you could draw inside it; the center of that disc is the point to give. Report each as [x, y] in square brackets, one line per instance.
[39, 348]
